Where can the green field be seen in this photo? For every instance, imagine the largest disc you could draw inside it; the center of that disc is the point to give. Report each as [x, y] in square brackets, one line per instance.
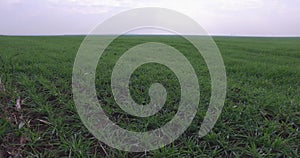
[261, 115]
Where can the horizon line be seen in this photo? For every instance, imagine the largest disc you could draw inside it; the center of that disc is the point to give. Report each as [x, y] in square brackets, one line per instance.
[213, 35]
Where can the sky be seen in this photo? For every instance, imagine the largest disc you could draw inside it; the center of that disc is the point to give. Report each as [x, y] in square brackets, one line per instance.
[217, 17]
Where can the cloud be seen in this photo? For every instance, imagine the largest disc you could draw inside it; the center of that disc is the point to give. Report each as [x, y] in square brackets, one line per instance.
[92, 6]
[95, 3]
[237, 5]
[9, 2]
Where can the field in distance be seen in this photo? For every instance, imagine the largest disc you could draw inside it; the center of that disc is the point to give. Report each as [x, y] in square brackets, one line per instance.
[261, 115]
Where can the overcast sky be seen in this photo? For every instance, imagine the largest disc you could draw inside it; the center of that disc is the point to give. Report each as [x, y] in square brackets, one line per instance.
[218, 17]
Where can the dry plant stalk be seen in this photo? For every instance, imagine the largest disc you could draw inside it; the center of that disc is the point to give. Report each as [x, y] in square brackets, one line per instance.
[18, 104]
